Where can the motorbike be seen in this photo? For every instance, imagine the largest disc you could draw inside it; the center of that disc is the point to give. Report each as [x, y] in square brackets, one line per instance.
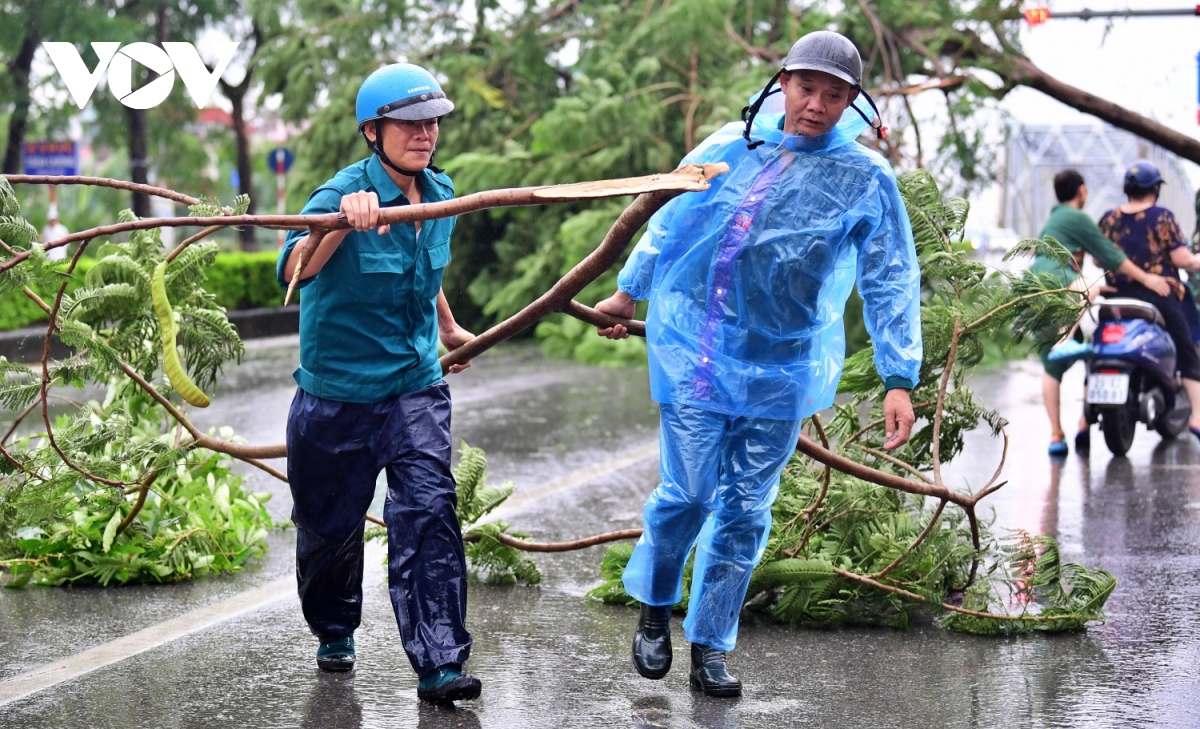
[1131, 375]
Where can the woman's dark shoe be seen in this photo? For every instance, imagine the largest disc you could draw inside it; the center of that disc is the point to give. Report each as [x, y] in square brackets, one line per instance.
[709, 674]
[652, 642]
[1083, 442]
[448, 684]
[336, 656]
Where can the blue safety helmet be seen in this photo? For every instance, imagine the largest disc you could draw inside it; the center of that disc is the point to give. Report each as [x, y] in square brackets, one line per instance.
[399, 91]
[1144, 174]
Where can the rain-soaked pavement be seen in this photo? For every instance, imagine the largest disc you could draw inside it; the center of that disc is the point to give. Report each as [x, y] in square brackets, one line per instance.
[579, 443]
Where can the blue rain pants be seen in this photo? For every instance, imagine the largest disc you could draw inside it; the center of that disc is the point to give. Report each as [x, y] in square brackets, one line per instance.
[720, 475]
[335, 453]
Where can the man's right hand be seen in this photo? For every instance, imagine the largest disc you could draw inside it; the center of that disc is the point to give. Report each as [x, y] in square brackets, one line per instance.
[1157, 284]
[362, 211]
[619, 304]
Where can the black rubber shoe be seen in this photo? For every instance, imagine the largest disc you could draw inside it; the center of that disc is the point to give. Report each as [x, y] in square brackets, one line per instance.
[709, 674]
[451, 686]
[652, 642]
[336, 656]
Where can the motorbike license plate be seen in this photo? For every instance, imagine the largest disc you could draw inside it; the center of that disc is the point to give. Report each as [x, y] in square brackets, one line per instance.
[1107, 389]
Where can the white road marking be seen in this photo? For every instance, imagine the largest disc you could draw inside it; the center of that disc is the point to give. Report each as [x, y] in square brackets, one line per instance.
[522, 499]
[52, 674]
[44, 677]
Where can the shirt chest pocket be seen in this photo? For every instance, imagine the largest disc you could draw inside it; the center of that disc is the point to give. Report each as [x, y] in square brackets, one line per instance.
[436, 257]
[386, 273]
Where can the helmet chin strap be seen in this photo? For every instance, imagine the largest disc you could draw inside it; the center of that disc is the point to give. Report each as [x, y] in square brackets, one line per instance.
[377, 148]
[749, 112]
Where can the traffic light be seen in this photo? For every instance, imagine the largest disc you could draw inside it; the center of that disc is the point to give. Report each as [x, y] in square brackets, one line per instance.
[1037, 16]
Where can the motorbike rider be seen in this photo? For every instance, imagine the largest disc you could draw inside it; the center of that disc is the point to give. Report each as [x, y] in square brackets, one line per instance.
[1150, 236]
[371, 396]
[747, 282]
[1071, 227]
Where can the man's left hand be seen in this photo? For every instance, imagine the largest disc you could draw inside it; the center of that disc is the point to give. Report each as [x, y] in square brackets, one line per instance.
[452, 339]
[898, 418]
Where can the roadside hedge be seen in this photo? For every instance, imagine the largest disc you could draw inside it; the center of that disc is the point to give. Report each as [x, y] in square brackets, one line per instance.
[239, 281]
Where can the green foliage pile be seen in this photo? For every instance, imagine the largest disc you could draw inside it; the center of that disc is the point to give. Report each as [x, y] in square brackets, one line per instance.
[495, 562]
[68, 503]
[198, 520]
[862, 528]
[237, 279]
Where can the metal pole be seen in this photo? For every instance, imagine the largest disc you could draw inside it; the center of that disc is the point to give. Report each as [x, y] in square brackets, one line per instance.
[279, 187]
[1041, 15]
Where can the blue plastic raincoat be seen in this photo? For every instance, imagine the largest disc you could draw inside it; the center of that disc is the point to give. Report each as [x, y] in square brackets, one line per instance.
[748, 280]
[747, 284]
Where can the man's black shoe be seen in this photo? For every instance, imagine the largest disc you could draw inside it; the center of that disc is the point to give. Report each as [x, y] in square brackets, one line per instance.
[336, 656]
[448, 684]
[652, 642]
[709, 674]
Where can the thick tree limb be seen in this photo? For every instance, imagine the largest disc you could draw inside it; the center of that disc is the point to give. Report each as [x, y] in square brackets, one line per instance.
[606, 254]
[600, 319]
[1025, 73]
[690, 178]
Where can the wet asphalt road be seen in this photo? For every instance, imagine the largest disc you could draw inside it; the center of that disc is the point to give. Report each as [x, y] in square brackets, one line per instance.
[549, 657]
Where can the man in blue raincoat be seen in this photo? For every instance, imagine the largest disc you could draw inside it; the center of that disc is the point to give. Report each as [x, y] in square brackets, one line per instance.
[746, 284]
[371, 396]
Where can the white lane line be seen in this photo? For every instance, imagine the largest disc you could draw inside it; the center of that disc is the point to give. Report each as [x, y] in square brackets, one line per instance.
[52, 674]
[522, 499]
[43, 677]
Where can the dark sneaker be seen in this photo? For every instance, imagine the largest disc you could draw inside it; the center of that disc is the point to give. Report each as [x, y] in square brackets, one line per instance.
[709, 673]
[448, 684]
[336, 656]
[652, 642]
[1083, 442]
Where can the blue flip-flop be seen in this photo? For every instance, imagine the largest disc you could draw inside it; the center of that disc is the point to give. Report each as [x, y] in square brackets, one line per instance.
[1060, 448]
[1071, 350]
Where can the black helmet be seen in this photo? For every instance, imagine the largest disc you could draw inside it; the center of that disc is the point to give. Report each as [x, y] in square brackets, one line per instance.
[824, 50]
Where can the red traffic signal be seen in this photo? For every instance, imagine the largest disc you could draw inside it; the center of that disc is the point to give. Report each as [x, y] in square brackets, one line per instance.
[1037, 16]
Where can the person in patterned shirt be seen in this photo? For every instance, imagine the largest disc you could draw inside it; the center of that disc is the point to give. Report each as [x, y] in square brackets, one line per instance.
[1149, 235]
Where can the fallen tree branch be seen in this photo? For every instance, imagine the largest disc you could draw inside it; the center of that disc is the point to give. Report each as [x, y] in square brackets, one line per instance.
[606, 254]
[556, 546]
[178, 197]
[540, 546]
[600, 319]
[690, 178]
[946, 606]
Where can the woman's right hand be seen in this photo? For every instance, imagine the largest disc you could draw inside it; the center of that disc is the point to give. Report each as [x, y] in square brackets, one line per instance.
[362, 211]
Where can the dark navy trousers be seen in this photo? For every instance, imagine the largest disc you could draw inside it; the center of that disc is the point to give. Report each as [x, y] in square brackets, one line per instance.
[335, 453]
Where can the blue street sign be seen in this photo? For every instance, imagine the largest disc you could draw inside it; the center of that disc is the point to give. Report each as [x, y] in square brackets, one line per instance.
[51, 158]
[274, 155]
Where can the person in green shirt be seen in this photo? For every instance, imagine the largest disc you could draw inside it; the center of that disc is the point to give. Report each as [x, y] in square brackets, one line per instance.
[1078, 233]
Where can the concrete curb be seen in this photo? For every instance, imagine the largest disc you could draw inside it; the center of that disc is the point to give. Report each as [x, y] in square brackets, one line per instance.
[26, 345]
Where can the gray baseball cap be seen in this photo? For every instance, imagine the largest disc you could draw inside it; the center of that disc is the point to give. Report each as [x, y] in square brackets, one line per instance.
[824, 50]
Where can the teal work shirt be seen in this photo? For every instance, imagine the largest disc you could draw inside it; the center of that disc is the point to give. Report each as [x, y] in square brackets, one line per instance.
[368, 319]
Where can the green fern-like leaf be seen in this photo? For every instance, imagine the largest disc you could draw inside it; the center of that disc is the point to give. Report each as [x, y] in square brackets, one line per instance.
[9, 205]
[16, 232]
